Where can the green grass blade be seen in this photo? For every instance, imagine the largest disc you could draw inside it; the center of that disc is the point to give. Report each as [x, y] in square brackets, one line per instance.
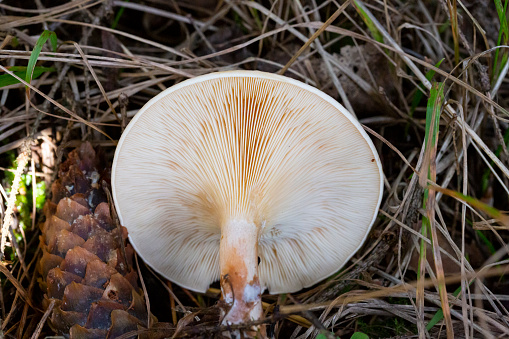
[433, 110]
[369, 23]
[256, 16]
[501, 11]
[440, 314]
[503, 35]
[418, 95]
[431, 131]
[37, 50]
[7, 79]
[53, 41]
[118, 16]
[486, 241]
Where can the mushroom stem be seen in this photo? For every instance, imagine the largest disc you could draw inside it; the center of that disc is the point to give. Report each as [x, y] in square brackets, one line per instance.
[238, 260]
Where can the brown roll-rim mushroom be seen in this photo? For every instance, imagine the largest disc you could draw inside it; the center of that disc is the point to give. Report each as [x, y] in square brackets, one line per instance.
[227, 169]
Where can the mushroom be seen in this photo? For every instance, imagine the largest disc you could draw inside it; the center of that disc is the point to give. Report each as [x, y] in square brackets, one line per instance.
[255, 179]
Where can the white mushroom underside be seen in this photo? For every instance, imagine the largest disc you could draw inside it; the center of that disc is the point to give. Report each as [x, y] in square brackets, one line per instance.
[258, 148]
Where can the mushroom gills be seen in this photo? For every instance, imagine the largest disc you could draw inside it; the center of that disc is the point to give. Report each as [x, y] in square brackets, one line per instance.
[253, 164]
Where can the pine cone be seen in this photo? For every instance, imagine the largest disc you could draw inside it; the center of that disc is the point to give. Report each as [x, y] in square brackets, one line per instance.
[86, 266]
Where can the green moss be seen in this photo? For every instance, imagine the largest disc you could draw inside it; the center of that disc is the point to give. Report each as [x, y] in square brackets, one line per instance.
[24, 200]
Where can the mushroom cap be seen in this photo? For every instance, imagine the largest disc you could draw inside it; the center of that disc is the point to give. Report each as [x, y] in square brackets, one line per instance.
[253, 146]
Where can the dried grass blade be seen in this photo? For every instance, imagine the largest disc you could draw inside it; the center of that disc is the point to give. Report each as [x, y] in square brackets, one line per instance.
[315, 35]
[465, 288]
[74, 115]
[172, 304]
[19, 288]
[361, 295]
[34, 193]
[43, 319]
[453, 17]
[94, 75]
[161, 13]
[409, 60]
[145, 293]
[61, 10]
[124, 34]
[491, 211]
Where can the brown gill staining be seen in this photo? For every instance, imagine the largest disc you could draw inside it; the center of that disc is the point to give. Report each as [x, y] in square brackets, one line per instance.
[320, 230]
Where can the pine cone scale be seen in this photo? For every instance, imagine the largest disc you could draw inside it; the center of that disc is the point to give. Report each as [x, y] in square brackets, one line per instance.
[86, 266]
